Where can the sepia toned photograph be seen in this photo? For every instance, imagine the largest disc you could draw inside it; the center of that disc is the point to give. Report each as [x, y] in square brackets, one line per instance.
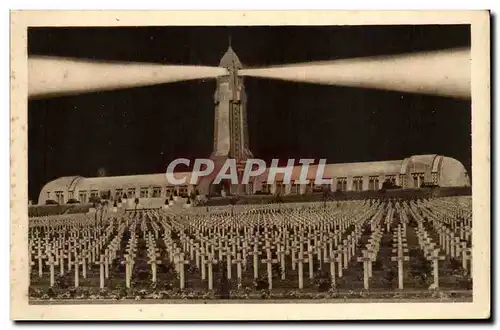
[236, 165]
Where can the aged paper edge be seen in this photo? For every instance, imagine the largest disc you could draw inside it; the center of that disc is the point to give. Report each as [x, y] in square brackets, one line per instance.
[480, 66]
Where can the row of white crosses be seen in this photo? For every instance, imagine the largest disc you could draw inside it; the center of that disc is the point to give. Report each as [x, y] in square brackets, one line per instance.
[109, 255]
[370, 253]
[454, 235]
[76, 240]
[456, 215]
[335, 252]
[400, 248]
[430, 248]
[219, 244]
[345, 251]
[129, 257]
[153, 255]
[235, 250]
[301, 233]
[455, 244]
[294, 245]
[104, 260]
[108, 251]
[178, 255]
[455, 207]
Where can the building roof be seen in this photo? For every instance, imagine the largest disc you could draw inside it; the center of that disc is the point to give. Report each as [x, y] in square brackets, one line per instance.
[61, 183]
[143, 180]
[341, 170]
[108, 183]
[453, 173]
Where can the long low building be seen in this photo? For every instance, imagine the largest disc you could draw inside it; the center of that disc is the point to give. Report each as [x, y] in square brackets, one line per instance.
[410, 172]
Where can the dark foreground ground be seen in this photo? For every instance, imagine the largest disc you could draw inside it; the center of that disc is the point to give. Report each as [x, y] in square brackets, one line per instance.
[276, 298]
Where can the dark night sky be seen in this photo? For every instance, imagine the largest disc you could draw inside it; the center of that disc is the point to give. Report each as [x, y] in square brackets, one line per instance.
[140, 130]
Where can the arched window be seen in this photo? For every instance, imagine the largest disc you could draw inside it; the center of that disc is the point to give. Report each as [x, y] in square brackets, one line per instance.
[131, 193]
[60, 197]
[342, 184]
[118, 193]
[156, 192]
[144, 192]
[373, 184]
[357, 183]
[82, 196]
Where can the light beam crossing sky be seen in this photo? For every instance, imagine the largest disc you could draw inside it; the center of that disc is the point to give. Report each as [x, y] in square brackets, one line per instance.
[444, 73]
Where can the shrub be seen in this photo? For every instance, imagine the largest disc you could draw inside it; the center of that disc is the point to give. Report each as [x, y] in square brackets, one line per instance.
[51, 293]
[104, 293]
[265, 294]
[63, 282]
[453, 264]
[390, 275]
[276, 270]
[420, 268]
[34, 292]
[72, 293]
[322, 281]
[261, 284]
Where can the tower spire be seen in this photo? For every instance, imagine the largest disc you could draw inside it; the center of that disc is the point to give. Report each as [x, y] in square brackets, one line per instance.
[229, 41]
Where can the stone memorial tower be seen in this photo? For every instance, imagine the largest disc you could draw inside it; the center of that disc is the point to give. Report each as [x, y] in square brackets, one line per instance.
[230, 123]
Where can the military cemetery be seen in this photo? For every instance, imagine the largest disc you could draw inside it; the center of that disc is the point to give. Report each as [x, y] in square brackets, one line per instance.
[334, 250]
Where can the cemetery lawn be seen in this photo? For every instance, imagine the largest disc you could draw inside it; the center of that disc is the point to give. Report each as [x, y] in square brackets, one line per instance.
[353, 251]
